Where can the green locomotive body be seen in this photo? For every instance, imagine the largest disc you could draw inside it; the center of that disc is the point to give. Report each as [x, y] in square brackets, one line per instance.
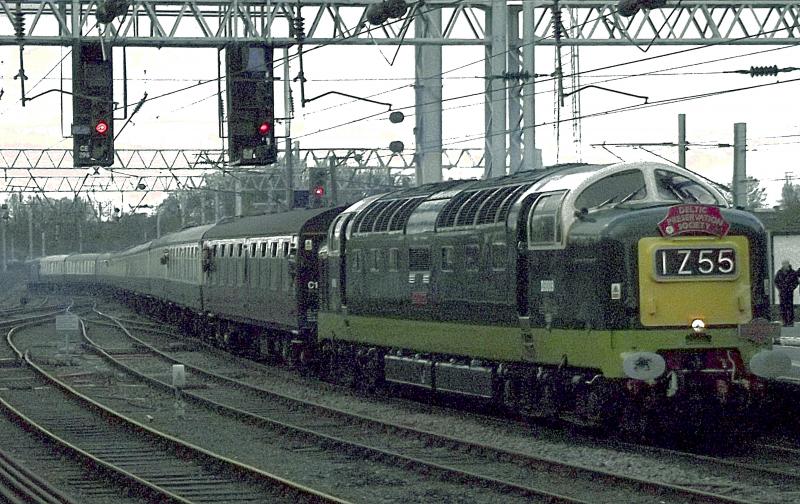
[553, 292]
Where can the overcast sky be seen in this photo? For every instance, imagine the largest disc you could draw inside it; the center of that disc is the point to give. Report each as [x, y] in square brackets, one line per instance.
[189, 118]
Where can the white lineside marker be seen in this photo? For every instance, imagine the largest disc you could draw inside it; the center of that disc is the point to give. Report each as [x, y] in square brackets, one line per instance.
[178, 376]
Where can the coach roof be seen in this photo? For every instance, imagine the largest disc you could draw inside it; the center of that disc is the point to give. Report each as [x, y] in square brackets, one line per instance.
[276, 224]
[189, 235]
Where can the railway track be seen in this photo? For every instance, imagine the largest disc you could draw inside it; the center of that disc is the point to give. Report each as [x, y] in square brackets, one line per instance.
[450, 457]
[160, 468]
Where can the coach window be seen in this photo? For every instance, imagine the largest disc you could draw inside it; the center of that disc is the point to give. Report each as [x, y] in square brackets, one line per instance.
[544, 229]
[286, 249]
[472, 257]
[499, 252]
[447, 259]
[273, 249]
[239, 250]
[252, 250]
[356, 260]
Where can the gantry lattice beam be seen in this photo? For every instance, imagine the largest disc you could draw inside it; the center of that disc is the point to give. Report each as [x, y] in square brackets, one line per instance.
[214, 23]
[164, 170]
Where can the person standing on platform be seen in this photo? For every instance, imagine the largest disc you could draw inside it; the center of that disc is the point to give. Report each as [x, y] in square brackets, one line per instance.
[786, 281]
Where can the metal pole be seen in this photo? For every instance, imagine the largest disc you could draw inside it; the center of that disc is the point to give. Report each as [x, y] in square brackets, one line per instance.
[682, 140]
[529, 157]
[739, 164]
[238, 199]
[5, 260]
[496, 131]
[158, 222]
[428, 99]
[332, 174]
[216, 206]
[288, 154]
[30, 232]
[515, 84]
[80, 237]
[202, 207]
[43, 244]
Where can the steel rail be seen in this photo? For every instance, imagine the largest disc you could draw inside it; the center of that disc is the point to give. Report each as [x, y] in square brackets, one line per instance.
[288, 490]
[28, 485]
[427, 438]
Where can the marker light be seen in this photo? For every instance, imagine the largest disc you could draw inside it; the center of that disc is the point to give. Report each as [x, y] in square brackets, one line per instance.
[318, 191]
[698, 325]
[101, 127]
[263, 130]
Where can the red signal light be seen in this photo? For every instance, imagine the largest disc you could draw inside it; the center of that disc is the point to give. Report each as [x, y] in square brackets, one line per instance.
[318, 191]
[263, 130]
[101, 127]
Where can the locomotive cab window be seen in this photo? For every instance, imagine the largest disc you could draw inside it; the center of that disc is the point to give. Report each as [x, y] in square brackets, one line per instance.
[544, 226]
[614, 189]
[672, 186]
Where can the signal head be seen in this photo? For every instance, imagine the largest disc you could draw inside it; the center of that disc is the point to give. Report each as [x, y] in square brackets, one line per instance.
[264, 128]
[318, 191]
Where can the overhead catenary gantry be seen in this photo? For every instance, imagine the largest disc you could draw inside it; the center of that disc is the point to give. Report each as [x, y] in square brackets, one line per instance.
[214, 23]
[31, 171]
[430, 26]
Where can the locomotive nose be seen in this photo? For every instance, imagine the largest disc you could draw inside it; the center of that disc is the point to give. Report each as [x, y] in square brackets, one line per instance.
[770, 364]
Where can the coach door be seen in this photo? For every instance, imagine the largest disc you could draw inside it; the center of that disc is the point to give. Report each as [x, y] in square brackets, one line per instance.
[337, 263]
[304, 266]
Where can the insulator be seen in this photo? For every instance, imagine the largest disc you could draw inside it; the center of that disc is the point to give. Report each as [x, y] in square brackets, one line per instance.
[298, 24]
[762, 71]
[558, 28]
[19, 24]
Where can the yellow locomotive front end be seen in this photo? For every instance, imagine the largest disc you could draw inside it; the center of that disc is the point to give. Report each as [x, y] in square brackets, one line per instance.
[705, 338]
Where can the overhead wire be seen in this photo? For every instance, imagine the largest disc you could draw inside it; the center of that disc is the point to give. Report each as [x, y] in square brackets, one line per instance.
[583, 72]
[642, 106]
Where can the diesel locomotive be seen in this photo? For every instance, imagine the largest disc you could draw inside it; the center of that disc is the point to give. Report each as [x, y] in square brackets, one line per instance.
[598, 293]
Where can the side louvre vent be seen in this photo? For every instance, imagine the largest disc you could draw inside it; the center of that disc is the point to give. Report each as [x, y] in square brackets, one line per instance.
[400, 218]
[382, 222]
[447, 217]
[386, 215]
[487, 206]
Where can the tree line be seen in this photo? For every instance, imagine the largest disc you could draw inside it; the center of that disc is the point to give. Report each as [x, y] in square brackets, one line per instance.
[37, 225]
